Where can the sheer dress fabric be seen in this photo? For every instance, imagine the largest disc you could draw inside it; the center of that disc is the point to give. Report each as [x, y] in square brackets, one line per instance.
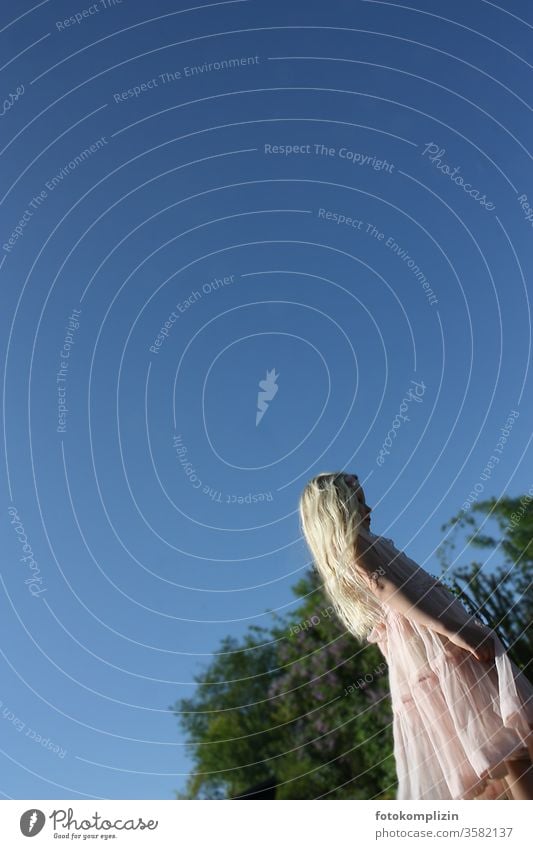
[455, 719]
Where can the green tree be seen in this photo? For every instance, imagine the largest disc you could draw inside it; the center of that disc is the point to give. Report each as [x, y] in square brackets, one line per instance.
[501, 597]
[301, 701]
[228, 720]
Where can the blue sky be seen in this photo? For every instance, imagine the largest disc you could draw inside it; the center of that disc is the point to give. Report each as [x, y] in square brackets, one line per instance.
[293, 210]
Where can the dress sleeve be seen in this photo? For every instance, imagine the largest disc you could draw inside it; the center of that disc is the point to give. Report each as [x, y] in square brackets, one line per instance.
[400, 583]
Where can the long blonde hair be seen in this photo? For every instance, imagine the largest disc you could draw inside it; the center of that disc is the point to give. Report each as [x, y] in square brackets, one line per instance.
[329, 520]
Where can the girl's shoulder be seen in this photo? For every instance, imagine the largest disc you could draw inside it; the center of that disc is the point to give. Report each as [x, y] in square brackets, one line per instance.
[388, 540]
[404, 567]
[379, 536]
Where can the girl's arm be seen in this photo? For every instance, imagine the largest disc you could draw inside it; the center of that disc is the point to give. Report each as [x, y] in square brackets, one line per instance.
[412, 591]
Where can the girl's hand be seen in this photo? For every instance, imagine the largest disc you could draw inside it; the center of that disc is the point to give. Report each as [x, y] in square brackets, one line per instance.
[476, 639]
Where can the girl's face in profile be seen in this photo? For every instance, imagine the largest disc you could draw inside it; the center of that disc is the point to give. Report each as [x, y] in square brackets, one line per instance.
[353, 481]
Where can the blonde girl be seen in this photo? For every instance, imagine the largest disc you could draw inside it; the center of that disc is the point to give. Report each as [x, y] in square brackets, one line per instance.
[462, 710]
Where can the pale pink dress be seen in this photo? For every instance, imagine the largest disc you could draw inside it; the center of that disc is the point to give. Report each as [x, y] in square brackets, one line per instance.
[455, 719]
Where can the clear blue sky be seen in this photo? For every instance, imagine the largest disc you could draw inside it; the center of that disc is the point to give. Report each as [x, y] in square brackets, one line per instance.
[130, 183]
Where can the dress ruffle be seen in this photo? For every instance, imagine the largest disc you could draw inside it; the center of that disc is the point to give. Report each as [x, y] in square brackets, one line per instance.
[456, 720]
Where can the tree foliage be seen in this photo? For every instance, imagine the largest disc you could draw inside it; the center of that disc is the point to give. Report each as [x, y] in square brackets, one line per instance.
[501, 592]
[300, 701]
